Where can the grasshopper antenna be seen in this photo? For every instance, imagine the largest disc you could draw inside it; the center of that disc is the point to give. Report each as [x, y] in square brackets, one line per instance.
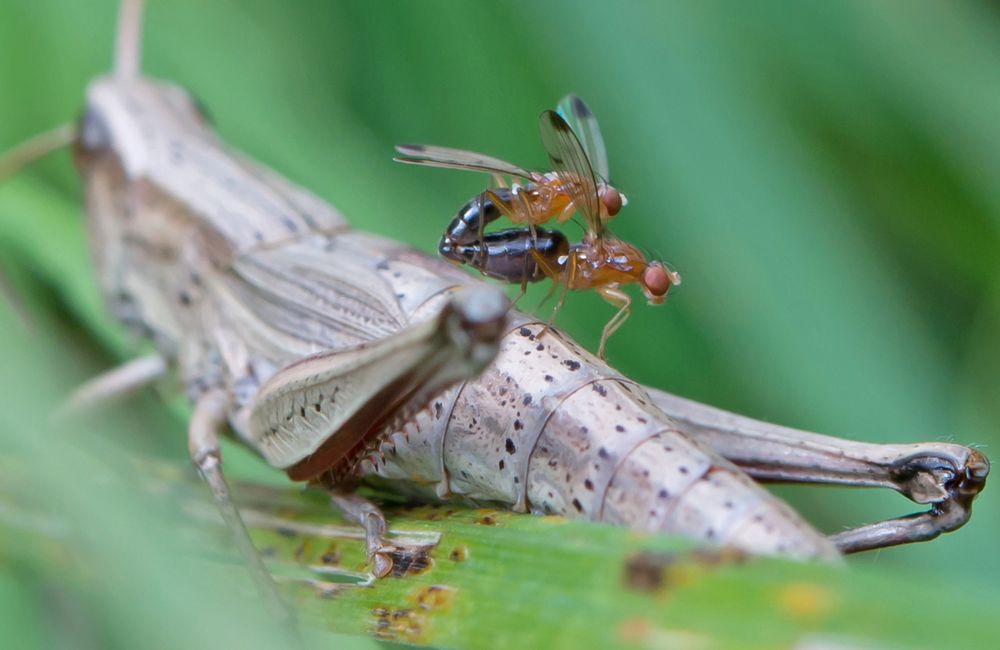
[10, 163]
[128, 46]
[34, 148]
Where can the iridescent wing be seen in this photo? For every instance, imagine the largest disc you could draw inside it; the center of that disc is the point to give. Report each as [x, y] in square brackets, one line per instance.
[577, 114]
[570, 162]
[434, 156]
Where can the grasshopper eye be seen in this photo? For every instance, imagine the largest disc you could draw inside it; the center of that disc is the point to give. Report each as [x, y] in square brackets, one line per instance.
[94, 132]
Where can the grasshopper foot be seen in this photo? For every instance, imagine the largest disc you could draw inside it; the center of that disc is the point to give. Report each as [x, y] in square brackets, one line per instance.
[368, 515]
[409, 554]
[948, 479]
[381, 564]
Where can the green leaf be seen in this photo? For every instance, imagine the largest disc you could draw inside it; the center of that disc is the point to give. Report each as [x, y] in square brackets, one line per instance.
[820, 174]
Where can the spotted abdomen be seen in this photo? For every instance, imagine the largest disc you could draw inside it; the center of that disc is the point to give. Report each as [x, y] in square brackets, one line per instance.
[551, 430]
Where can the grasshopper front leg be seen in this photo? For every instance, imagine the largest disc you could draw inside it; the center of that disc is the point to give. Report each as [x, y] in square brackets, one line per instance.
[114, 384]
[209, 418]
[947, 477]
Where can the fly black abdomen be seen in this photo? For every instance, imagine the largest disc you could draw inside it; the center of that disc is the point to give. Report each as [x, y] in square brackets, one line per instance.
[507, 254]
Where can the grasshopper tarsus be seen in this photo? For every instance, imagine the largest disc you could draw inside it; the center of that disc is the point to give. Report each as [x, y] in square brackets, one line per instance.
[919, 527]
[369, 516]
[950, 481]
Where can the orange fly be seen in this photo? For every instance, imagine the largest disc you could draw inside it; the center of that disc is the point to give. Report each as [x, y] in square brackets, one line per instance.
[600, 262]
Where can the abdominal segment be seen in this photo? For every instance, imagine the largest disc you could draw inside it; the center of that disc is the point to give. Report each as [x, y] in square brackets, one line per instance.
[543, 432]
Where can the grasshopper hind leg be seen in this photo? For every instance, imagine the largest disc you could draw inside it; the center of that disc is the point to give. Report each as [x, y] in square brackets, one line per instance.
[944, 476]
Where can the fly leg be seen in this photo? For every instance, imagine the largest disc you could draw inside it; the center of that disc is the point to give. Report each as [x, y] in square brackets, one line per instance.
[620, 299]
[553, 273]
[479, 260]
[507, 210]
[567, 213]
[209, 417]
[532, 219]
[523, 288]
[946, 477]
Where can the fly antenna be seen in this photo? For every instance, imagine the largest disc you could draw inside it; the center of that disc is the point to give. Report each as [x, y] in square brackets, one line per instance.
[128, 48]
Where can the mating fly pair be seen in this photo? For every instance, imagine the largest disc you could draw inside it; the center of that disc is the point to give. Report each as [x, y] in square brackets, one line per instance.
[528, 253]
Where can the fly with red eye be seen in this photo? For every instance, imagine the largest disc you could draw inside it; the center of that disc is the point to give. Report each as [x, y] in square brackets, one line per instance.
[577, 183]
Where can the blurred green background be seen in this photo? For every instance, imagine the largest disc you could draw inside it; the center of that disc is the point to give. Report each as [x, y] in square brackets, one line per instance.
[823, 176]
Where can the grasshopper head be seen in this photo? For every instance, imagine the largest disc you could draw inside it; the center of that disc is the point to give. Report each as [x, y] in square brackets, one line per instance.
[475, 324]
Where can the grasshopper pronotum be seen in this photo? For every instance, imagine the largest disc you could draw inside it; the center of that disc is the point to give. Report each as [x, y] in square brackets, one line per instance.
[325, 349]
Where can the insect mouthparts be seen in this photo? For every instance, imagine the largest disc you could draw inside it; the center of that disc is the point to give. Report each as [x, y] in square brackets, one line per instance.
[481, 321]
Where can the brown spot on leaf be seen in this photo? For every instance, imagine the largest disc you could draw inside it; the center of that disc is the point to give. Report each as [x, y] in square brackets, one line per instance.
[433, 597]
[487, 519]
[331, 556]
[657, 571]
[398, 624]
[646, 570]
[411, 561]
[409, 624]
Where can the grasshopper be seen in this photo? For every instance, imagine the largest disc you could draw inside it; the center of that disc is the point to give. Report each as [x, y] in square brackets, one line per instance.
[342, 357]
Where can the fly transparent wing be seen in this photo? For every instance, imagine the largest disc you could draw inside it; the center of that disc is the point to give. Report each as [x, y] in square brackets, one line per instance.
[570, 162]
[434, 156]
[578, 115]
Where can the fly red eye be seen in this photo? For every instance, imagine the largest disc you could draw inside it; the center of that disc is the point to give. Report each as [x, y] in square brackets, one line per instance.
[658, 280]
[612, 200]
